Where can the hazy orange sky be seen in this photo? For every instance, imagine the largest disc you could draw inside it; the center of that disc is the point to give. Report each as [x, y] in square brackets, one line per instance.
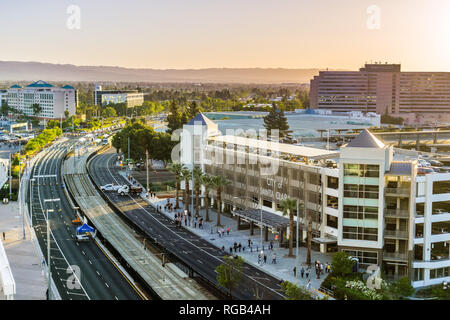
[212, 33]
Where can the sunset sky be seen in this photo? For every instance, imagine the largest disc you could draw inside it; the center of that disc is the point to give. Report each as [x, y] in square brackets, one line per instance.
[233, 33]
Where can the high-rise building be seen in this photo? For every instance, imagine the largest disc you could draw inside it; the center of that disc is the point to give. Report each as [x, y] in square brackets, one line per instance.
[54, 101]
[384, 89]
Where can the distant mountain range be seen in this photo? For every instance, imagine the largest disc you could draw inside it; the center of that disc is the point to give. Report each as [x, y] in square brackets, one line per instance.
[28, 71]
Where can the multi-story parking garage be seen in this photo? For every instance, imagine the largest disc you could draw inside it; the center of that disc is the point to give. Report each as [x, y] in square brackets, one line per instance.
[366, 199]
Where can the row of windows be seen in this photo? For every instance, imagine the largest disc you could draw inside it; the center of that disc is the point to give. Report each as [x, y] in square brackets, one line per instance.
[359, 233]
[365, 258]
[362, 170]
[361, 212]
[361, 191]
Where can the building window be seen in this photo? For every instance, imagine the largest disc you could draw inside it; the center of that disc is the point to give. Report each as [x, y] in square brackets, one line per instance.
[362, 170]
[359, 233]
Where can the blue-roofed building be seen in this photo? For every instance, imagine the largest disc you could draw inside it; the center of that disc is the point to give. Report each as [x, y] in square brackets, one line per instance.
[53, 100]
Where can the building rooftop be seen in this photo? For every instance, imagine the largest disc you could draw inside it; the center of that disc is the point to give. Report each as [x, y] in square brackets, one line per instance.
[16, 86]
[366, 140]
[401, 168]
[299, 151]
[40, 84]
[68, 87]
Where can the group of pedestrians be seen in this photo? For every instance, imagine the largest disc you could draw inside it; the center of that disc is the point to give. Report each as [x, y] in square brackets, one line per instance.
[169, 206]
[221, 232]
[320, 269]
[263, 257]
[187, 219]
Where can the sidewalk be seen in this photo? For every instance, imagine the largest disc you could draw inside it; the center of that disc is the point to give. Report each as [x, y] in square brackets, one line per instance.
[31, 283]
[283, 269]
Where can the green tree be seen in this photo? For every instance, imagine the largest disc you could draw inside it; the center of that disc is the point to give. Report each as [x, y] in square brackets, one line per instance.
[288, 207]
[37, 109]
[5, 109]
[219, 182]
[276, 120]
[403, 287]
[175, 119]
[193, 110]
[341, 264]
[293, 292]
[229, 273]
[66, 114]
[176, 169]
[109, 112]
[187, 176]
[208, 185]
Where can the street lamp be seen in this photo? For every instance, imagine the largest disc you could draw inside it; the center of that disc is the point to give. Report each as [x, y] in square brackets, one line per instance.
[48, 247]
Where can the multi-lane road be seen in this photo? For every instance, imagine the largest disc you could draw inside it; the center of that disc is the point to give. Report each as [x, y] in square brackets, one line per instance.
[79, 270]
[199, 254]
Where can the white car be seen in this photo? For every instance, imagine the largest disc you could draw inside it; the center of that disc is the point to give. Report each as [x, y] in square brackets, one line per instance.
[110, 187]
[82, 238]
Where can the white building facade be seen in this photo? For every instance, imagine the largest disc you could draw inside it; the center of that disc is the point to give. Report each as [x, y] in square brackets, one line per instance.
[370, 203]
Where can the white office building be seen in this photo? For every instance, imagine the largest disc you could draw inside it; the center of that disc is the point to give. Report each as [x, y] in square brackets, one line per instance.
[54, 101]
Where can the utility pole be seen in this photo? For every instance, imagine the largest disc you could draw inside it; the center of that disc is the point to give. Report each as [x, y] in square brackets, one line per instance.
[19, 198]
[296, 249]
[60, 123]
[10, 176]
[128, 161]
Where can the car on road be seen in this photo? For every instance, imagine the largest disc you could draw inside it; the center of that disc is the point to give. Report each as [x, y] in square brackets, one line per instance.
[125, 190]
[82, 238]
[110, 187]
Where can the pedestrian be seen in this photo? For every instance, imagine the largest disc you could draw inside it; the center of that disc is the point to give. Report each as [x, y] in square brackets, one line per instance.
[274, 258]
[4, 235]
[329, 268]
[249, 242]
[295, 271]
[307, 273]
[321, 268]
[223, 248]
[228, 231]
[302, 272]
[308, 285]
[259, 258]
[265, 258]
[240, 247]
[271, 245]
[231, 250]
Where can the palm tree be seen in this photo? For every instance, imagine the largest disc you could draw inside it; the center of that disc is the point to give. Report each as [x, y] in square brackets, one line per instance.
[187, 175]
[197, 174]
[219, 182]
[308, 255]
[208, 184]
[176, 169]
[287, 207]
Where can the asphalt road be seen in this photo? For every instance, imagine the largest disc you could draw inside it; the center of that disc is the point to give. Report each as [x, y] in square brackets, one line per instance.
[199, 254]
[92, 276]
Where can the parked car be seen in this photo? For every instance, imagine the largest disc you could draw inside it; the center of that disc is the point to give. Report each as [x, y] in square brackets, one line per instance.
[435, 163]
[125, 190]
[110, 187]
[423, 171]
